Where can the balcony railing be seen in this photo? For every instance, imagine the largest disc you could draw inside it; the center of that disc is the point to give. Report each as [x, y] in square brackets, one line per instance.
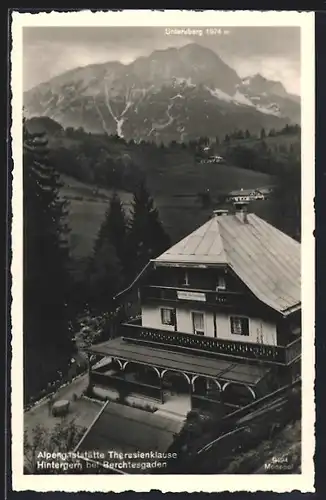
[282, 355]
[183, 294]
[293, 350]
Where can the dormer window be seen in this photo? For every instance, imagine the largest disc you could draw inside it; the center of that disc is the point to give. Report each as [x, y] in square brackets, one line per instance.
[221, 284]
[185, 279]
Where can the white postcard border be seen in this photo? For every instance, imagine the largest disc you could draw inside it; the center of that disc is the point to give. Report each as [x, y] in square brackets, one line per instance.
[303, 482]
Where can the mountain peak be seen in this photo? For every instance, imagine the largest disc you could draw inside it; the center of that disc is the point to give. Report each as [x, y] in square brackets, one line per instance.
[195, 47]
[197, 50]
[258, 77]
[191, 50]
[191, 62]
[175, 93]
[261, 84]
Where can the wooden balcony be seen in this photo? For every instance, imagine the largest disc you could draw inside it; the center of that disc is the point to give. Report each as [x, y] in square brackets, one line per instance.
[293, 351]
[178, 341]
[190, 295]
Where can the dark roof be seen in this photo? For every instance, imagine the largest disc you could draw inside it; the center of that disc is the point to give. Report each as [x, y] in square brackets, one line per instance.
[181, 361]
[264, 258]
[125, 429]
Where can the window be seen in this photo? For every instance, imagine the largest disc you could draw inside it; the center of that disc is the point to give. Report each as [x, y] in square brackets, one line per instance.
[186, 279]
[221, 285]
[168, 316]
[198, 323]
[239, 325]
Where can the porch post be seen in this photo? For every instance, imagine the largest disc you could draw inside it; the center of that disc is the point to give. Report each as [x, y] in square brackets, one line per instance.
[190, 394]
[161, 390]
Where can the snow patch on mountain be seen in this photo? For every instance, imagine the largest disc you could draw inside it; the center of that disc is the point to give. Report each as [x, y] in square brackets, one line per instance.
[219, 94]
[246, 81]
[160, 126]
[237, 98]
[119, 119]
[242, 99]
[177, 96]
[271, 109]
[178, 81]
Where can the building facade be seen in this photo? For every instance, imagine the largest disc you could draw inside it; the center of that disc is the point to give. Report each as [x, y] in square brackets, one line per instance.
[220, 317]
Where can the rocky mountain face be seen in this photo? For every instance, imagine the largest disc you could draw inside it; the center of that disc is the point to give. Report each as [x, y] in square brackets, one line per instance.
[174, 94]
[269, 95]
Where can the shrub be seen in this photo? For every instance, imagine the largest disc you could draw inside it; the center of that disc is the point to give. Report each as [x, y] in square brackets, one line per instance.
[62, 438]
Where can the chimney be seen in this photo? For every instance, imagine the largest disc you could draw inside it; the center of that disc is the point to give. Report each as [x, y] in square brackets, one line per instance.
[220, 212]
[241, 208]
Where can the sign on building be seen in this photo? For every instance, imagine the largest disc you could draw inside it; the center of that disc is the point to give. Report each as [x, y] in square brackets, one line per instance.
[191, 296]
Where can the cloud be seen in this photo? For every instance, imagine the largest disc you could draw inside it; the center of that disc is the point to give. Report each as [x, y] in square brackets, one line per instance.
[272, 68]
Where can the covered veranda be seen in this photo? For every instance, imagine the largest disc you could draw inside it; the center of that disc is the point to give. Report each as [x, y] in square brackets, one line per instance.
[131, 366]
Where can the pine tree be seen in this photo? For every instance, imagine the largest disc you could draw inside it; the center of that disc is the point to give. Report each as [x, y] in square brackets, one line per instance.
[114, 229]
[107, 265]
[147, 237]
[287, 197]
[262, 133]
[47, 285]
[104, 278]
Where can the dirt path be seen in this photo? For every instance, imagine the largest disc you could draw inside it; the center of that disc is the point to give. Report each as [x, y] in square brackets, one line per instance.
[40, 414]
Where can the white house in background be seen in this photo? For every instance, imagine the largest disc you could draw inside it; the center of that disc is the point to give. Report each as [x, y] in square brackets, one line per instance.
[239, 195]
[246, 195]
[265, 191]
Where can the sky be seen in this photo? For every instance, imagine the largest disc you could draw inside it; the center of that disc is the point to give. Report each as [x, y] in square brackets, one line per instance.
[274, 52]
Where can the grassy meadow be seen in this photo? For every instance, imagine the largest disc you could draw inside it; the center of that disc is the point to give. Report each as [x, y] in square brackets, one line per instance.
[175, 192]
[87, 207]
[174, 177]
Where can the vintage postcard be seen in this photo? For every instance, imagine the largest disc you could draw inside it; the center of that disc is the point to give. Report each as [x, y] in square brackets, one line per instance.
[163, 251]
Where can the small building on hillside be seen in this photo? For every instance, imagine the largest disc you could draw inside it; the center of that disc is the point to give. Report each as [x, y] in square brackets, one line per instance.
[241, 195]
[220, 317]
[247, 195]
[266, 192]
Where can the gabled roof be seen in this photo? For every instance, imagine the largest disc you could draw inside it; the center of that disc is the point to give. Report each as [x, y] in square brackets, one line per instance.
[265, 259]
[242, 192]
[265, 190]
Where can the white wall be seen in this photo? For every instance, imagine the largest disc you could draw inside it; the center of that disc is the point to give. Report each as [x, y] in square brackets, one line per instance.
[260, 331]
[151, 318]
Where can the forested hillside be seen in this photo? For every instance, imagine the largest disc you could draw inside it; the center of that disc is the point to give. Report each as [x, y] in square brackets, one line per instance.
[185, 183]
[115, 205]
